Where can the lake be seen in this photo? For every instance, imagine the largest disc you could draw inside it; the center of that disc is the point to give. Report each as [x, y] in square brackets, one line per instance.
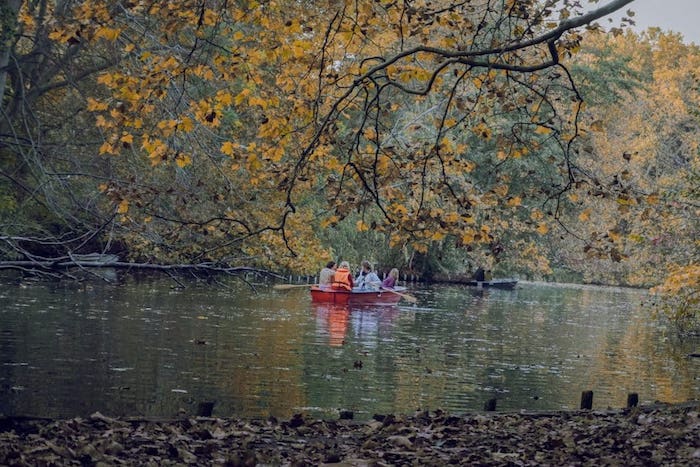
[145, 348]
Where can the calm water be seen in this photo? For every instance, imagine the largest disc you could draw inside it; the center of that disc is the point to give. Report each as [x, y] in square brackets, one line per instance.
[146, 349]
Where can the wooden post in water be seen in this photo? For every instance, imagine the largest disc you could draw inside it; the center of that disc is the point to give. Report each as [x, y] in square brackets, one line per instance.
[205, 408]
[587, 400]
[632, 400]
[490, 405]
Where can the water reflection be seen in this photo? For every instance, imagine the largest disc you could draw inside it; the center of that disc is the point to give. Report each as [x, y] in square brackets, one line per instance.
[371, 326]
[366, 325]
[332, 321]
[144, 349]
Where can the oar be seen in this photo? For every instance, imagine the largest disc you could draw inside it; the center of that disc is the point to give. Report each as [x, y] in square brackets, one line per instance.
[410, 298]
[290, 286]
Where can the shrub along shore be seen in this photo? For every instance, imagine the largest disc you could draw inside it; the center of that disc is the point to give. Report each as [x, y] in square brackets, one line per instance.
[650, 435]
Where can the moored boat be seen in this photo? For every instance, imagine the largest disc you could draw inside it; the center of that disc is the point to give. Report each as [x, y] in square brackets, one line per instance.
[357, 296]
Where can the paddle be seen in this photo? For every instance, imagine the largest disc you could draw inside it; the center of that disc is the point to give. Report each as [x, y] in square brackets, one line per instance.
[410, 298]
[290, 286]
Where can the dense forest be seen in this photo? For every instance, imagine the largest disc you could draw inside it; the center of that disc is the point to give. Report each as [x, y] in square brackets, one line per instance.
[225, 136]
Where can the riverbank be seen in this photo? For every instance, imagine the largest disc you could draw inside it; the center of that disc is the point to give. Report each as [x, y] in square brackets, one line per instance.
[656, 435]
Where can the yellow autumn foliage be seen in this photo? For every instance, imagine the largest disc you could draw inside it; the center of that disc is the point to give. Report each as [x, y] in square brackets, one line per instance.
[238, 128]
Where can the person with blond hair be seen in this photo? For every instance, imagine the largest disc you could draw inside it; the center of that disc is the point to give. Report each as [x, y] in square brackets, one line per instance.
[390, 281]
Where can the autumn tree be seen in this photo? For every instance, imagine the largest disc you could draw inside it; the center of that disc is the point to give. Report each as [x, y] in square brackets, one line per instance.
[639, 215]
[227, 132]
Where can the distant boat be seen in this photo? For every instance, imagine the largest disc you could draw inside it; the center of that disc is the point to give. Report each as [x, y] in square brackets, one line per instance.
[507, 284]
[359, 296]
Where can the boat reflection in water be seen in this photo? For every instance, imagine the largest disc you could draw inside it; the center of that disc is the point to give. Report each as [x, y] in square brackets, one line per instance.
[332, 320]
[366, 324]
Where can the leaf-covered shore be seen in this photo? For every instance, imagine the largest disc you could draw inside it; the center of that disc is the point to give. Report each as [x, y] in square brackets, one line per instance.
[658, 435]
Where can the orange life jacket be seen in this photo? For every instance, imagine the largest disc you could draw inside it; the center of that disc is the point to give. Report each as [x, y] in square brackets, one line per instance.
[342, 279]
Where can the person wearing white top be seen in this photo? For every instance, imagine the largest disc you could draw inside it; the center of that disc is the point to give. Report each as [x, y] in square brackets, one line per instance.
[367, 279]
[325, 277]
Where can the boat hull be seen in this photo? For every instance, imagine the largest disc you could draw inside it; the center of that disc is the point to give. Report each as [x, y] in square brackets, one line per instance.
[355, 297]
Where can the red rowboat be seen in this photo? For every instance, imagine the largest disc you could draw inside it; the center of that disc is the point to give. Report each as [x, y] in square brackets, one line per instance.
[357, 296]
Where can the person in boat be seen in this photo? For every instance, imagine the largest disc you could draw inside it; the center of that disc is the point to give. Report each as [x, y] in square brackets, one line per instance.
[479, 275]
[367, 279]
[325, 277]
[390, 281]
[342, 278]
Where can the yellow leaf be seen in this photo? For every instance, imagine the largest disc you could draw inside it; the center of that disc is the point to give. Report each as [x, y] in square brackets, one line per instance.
[107, 148]
[95, 105]
[227, 148]
[210, 17]
[58, 36]
[255, 100]
[451, 217]
[275, 153]
[501, 190]
[106, 79]
[420, 247]
[241, 97]
[514, 201]
[596, 126]
[123, 207]
[398, 209]
[520, 152]
[447, 144]
[542, 228]
[224, 98]
[536, 215]
[482, 131]
[109, 34]
[183, 160]
[127, 138]
[186, 125]
[361, 226]
[254, 163]
[329, 222]
[585, 215]
[468, 236]
[625, 200]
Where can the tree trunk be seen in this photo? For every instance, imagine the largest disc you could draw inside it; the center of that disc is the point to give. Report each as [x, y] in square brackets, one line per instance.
[8, 20]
